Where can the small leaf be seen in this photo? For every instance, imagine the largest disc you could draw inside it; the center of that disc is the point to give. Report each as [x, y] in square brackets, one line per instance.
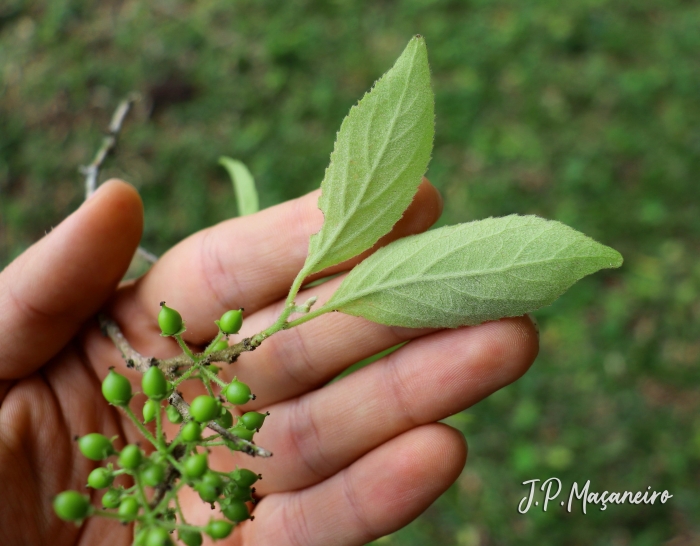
[380, 155]
[243, 185]
[471, 273]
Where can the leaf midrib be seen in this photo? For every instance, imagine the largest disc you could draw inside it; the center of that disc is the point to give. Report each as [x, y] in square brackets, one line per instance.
[436, 278]
[329, 241]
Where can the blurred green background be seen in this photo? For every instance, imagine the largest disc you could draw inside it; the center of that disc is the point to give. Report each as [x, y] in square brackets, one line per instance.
[586, 111]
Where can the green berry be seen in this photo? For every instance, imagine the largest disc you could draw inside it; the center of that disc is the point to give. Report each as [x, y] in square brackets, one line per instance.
[100, 478]
[150, 410]
[158, 537]
[95, 446]
[141, 537]
[130, 457]
[213, 479]
[190, 538]
[154, 384]
[71, 506]
[204, 408]
[252, 420]
[218, 528]
[128, 508]
[226, 419]
[153, 474]
[242, 432]
[169, 320]
[191, 432]
[196, 465]
[219, 345]
[244, 477]
[173, 415]
[237, 393]
[231, 321]
[207, 492]
[116, 389]
[235, 492]
[111, 498]
[236, 511]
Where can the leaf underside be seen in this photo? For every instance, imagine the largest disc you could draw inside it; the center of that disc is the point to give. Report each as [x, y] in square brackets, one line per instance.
[381, 153]
[470, 273]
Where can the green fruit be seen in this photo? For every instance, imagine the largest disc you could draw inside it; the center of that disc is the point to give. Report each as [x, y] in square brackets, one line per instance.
[141, 537]
[191, 432]
[213, 479]
[195, 465]
[204, 408]
[95, 446]
[71, 506]
[150, 409]
[154, 384]
[236, 492]
[116, 389]
[207, 492]
[231, 321]
[252, 420]
[169, 320]
[237, 393]
[242, 432]
[244, 477]
[100, 478]
[128, 508]
[190, 538]
[158, 537]
[130, 457]
[218, 528]
[226, 419]
[236, 511]
[153, 474]
[219, 345]
[111, 498]
[173, 415]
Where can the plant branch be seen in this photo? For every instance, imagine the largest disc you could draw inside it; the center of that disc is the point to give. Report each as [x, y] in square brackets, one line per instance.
[109, 142]
[238, 443]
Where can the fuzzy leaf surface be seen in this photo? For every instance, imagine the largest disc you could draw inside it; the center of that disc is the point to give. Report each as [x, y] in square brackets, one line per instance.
[381, 153]
[470, 273]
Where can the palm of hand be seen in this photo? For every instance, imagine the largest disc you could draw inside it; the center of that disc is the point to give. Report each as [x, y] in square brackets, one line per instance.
[353, 461]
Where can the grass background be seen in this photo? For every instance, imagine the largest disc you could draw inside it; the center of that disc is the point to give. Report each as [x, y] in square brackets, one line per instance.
[586, 111]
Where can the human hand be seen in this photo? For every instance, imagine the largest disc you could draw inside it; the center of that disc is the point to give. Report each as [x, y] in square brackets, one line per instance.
[353, 460]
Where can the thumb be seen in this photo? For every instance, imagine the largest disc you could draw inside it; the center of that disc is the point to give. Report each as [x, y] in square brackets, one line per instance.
[52, 288]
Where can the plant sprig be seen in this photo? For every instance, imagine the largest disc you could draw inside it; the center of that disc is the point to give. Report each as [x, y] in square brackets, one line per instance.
[449, 277]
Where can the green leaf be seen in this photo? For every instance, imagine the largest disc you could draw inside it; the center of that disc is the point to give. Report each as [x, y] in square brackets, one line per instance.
[243, 185]
[381, 153]
[471, 273]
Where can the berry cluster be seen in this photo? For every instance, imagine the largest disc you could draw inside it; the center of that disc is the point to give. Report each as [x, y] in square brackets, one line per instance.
[182, 461]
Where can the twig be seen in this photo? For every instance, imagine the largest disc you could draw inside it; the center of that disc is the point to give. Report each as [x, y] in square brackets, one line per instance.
[239, 444]
[142, 363]
[136, 360]
[109, 142]
[171, 474]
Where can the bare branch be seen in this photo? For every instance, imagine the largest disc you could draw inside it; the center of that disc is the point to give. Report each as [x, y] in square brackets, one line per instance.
[109, 142]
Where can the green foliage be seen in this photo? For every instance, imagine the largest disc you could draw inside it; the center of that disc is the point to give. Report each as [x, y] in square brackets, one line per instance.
[381, 153]
[471, 273]
[243, 185]
[582, 111]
